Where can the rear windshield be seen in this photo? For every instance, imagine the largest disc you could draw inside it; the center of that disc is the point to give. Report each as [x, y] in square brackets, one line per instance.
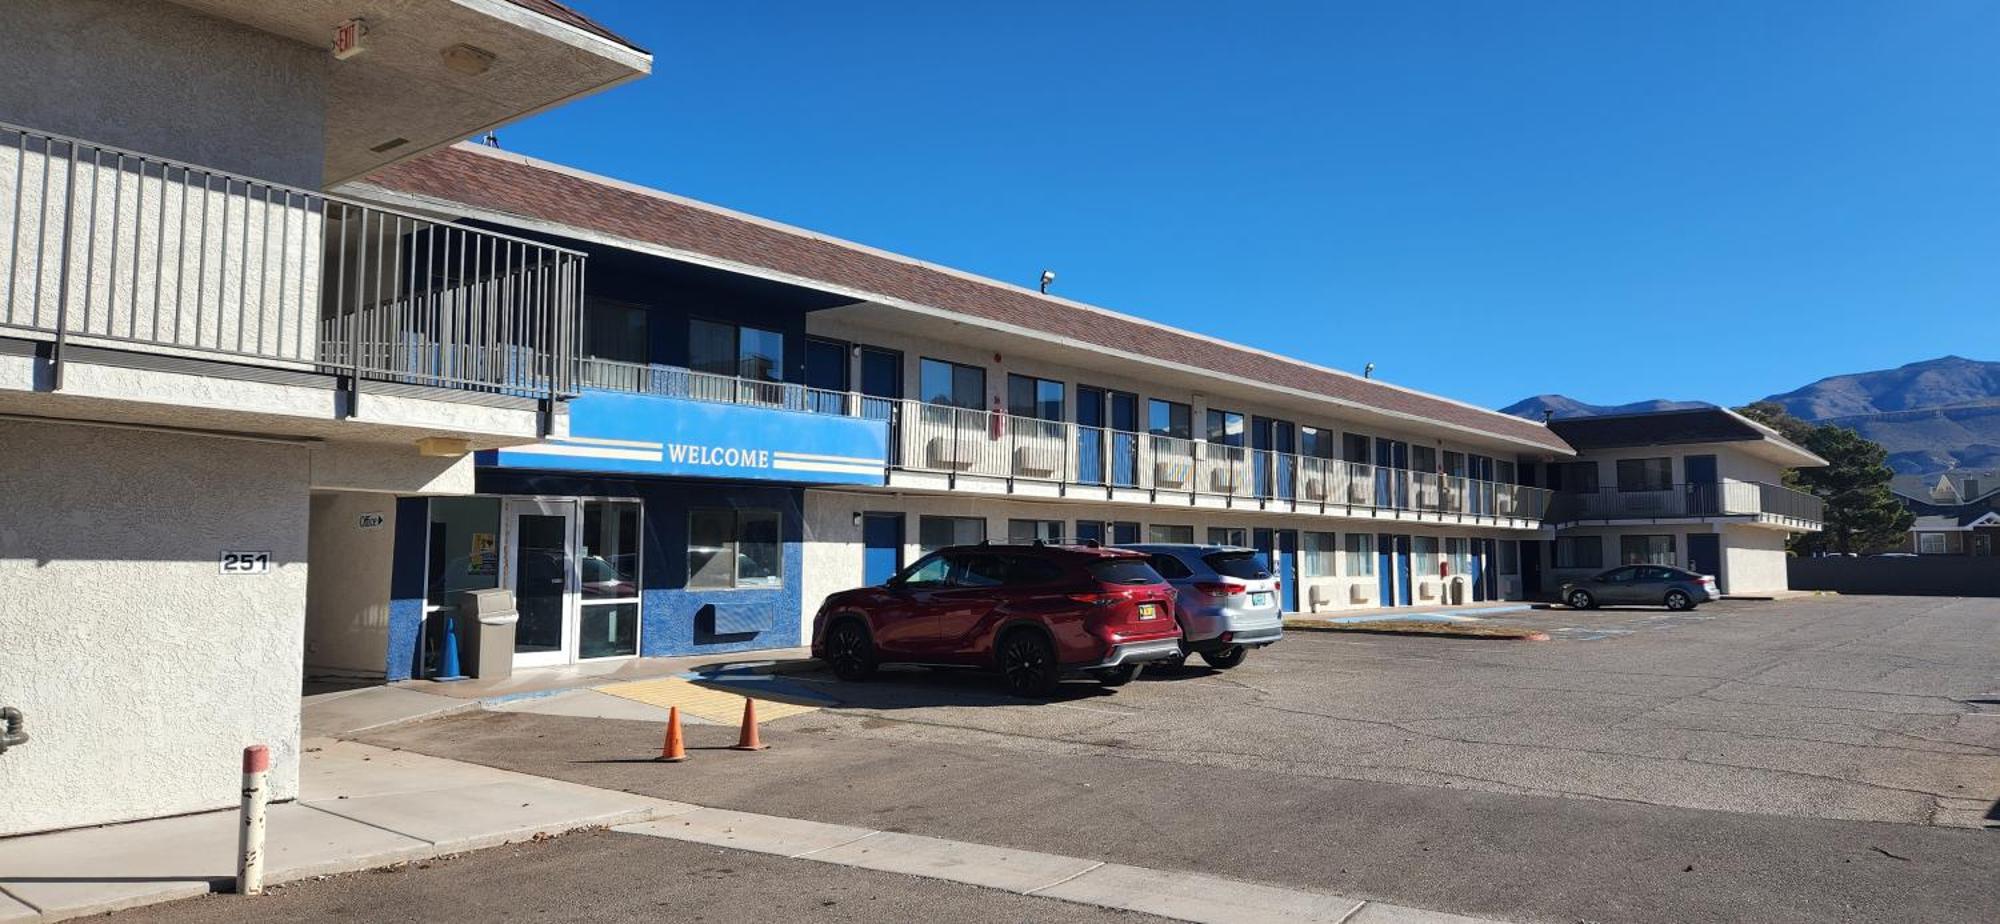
[1248, 566]
[1124, 571]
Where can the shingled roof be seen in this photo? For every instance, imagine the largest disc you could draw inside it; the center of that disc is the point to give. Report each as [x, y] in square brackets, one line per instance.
[512, 185]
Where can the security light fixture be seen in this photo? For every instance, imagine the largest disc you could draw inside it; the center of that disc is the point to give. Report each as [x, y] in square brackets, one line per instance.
[1368, 371]
[1048, 276]
[469, 60]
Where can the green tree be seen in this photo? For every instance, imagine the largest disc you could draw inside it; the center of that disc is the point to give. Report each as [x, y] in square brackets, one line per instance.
[1861, 513]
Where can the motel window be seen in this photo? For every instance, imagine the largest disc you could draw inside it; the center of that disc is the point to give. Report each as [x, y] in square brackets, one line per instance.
[1458, 554]
[1645, 474]
[1579, 552]
[1510, 556]
[1353, 447]
[1320, 549]
[741, 352]
[1228, 535]
[730, 548]
[1505, 473]
[1646, 550]
[1124, 532]
[1225, 428]
[1165, 532]
[935, 533]
[1031, 530]
[1039, 399]
[1931, 544]
[1360, 555]
[1424, 549]
[1575, 477]
[616, 331]
[1169, 418]
[952, 384]
[1316, 443]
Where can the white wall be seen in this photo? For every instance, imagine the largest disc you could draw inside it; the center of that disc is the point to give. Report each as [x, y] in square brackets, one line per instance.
[1753, 560]
[347, 593]
[159, 78]
[144, 671]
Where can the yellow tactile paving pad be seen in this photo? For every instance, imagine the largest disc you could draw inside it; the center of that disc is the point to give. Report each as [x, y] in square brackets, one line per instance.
[718, 706]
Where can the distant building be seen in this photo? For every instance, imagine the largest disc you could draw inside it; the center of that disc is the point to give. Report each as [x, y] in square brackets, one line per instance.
[1958, 513]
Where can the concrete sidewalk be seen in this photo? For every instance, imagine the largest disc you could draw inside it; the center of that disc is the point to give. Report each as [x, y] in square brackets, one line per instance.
[360, 807]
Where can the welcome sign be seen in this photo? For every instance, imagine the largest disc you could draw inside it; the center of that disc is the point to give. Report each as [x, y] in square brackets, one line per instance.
[635, 434]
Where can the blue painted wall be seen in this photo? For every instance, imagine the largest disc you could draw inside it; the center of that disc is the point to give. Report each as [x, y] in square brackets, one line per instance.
[406, 587]
[673, 619]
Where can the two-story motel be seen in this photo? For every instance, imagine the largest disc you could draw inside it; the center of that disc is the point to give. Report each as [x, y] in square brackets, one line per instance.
[276, 388]
[768, 415]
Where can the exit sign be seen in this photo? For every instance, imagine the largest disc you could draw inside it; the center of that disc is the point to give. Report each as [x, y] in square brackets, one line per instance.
[347, 38]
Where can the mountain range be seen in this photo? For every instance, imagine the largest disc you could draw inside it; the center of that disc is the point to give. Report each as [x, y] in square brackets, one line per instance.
[1932, 416]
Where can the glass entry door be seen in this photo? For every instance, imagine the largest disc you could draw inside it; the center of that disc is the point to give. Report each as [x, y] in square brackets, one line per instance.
[542, 573]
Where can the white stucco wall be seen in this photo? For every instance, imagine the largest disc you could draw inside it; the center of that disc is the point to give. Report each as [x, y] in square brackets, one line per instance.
[1753, 560]
[142, 669]
[157, 77]
[347, 592]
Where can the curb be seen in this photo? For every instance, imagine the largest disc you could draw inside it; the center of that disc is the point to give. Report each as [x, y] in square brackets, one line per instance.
[1473, 632]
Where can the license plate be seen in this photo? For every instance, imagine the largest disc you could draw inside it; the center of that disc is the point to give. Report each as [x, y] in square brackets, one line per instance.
[1261, 598]
[1149, 611]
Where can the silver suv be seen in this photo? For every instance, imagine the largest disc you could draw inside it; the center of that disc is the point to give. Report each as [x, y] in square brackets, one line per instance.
[1227, 599]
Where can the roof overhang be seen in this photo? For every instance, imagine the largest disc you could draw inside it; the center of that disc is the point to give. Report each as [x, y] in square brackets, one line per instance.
[418, 82]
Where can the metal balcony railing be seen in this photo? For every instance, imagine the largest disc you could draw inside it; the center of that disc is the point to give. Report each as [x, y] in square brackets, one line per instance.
[127, 250]
[676, 382]
[1702, 499]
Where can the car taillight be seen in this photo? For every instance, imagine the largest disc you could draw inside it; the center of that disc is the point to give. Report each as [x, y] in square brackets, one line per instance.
[1097, 599]
[1221, 588]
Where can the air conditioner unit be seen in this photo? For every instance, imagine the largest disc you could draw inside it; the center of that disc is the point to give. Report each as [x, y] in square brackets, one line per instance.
[1360, 593]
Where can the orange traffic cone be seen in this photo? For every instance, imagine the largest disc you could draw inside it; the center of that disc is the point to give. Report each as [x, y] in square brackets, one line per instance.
[748, 740]
[673, 751]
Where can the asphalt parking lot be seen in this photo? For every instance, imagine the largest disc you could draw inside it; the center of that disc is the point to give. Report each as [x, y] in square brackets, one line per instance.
[1816, 759]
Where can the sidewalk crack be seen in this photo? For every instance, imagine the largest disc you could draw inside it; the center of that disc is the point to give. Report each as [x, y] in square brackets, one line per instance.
[815, 850]
[1064, 879]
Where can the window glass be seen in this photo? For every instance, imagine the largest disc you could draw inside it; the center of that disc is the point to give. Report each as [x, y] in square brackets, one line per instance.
[711, 559]
[1170, 567]
[761, 355]
[1354, 447]
[1030, 530]
[826, 365]
[610, 563]
[927, 572]
[1425, 549]
[1169, 418]
[1319, 549]
[1510, 556]
[1124, 571]
[1163, 532]
[734, 548]
[1028, 571]
[1646, 550]
[1360, 554]
[1248, 566]
[935, 533]
[1124, 533]
[1645, 474]
[1028, 396]
[952, 384]
[1931, 543]
[1579, 552]
[1228, 535]
[616, 330]
[1225, 428]
[881, 373]
[712, 347]
[1578, 477]
[978, 570]
[1424, 459]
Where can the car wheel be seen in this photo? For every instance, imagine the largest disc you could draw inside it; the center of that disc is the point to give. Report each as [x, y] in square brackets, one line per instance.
[1120, 675]
[1582, 600]
[850, 652]
[1225, 658]
[1028, 662]
[1678, 600]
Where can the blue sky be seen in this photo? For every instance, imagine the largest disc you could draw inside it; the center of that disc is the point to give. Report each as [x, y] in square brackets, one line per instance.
[1614, 201]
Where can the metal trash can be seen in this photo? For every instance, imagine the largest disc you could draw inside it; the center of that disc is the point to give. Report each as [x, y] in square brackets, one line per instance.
[486, 621]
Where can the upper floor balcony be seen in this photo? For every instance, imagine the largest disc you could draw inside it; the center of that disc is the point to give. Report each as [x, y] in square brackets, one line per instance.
[108, 250]
[946, 448]
[1756, 502]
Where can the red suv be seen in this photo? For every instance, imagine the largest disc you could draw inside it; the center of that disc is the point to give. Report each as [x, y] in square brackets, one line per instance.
[1032, 612]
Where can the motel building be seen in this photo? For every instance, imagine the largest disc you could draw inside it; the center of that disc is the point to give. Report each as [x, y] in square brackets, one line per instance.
[297, 388]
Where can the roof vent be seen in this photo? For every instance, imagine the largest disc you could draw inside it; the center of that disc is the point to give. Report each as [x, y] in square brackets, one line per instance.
[468, 60]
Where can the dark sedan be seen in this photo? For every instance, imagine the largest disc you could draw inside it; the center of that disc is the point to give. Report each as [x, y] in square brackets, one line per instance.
[1647, 585]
